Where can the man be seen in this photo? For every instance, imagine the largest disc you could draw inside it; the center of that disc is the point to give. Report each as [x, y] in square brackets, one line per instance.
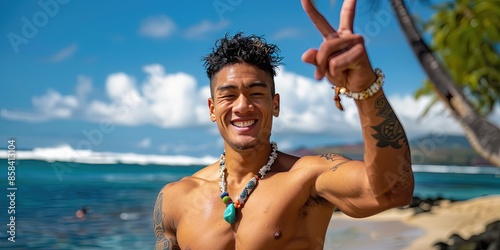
[284, 202]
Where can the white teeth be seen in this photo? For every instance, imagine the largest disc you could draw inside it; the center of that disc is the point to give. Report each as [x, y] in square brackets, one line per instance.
[244, 124]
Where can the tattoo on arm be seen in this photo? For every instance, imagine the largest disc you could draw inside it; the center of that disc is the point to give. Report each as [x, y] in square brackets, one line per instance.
[405, 180]
[158, 215]
[335, 157]
[389, 132]
[337, 165]
[162, 243]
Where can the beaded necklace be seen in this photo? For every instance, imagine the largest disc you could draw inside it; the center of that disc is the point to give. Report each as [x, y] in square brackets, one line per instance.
[230, 212]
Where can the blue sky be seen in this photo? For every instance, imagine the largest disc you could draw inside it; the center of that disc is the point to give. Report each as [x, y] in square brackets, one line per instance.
[127, 76]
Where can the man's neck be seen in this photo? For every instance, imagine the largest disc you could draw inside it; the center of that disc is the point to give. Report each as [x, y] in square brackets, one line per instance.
[243, 163]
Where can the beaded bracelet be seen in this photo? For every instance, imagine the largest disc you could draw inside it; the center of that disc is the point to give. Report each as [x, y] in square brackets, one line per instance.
[362, 95]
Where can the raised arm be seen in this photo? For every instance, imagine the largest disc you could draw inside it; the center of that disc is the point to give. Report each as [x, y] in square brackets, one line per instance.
[165, 235]
[384, 178]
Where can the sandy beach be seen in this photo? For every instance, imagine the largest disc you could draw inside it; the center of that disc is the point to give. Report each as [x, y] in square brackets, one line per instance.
[402, 229]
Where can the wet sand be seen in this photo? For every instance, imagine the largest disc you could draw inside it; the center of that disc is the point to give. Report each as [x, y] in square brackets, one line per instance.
[400, 229]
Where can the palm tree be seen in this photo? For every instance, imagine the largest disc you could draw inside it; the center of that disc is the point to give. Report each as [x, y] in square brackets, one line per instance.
[482, 134]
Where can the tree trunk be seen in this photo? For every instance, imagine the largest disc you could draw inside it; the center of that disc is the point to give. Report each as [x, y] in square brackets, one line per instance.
[482, 134]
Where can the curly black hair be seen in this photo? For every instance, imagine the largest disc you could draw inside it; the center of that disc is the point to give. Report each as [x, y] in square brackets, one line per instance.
[239, 48]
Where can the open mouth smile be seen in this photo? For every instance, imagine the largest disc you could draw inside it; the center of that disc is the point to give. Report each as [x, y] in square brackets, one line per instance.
[243, 124]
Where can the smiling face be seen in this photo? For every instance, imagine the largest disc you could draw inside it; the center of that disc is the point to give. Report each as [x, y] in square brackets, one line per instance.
[243, 105]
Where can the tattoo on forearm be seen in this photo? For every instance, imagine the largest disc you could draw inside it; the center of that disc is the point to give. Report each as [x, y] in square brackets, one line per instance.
[389, 131]
[405, 180]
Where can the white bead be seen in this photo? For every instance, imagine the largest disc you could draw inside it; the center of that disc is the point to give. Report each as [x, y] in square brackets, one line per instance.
[368, 92]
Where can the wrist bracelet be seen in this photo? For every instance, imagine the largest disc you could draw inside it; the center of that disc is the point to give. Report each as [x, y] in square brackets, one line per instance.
[362, 95]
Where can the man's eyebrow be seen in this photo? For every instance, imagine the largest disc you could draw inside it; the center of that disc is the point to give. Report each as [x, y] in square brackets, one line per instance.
[226, 87]
[251, 85]
[257, 84]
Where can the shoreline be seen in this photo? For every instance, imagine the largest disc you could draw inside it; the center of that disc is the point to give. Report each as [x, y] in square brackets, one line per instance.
[410, 229]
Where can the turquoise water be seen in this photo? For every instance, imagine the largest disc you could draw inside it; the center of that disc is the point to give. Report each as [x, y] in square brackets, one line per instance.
[120, 199]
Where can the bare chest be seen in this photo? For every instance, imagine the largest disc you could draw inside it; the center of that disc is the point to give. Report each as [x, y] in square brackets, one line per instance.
[274, 217]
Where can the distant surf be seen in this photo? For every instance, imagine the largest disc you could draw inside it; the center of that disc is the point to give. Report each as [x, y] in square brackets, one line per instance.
[66, 153]
[457, 169]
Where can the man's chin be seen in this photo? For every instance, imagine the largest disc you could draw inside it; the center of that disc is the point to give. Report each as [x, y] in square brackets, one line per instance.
[246, 142]
[245, 145]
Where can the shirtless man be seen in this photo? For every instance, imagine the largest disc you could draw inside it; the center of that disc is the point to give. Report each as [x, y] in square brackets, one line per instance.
[288, 203]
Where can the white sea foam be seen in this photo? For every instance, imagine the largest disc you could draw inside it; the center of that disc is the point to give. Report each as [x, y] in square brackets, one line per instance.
[456, 169]
[66, 153]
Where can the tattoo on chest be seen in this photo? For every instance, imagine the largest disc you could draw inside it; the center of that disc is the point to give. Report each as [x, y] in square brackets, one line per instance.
[389, 132]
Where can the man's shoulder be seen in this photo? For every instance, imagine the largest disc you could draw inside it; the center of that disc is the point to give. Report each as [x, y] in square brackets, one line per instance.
[183, 185]
[303, 161]
[208, 173]
[189, 183]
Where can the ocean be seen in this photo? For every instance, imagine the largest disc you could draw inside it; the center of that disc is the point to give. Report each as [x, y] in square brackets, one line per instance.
[120, 199]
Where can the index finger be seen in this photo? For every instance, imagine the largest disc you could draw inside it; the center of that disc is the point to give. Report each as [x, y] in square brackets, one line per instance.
[319, 21]
[347, 16]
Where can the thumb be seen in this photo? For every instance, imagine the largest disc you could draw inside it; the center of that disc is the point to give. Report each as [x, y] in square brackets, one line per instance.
[310, 57]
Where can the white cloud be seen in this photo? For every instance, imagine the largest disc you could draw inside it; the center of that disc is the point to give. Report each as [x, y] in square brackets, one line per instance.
[203, 28]
[54, 105]
[307, 107]
[64, 53]
[286, 33]
[437, 120]
[157, 27]
[165, 100]
[144, 143]
[83, 88]
[23, 116]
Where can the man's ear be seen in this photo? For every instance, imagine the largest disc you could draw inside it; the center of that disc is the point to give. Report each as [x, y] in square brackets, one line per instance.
[211, 109]
[276, 105]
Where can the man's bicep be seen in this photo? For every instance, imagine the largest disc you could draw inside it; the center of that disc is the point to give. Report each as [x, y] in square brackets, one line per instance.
[343, 182]
[165, 235]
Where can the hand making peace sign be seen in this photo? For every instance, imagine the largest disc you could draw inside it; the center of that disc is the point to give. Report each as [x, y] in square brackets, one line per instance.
[341, 56]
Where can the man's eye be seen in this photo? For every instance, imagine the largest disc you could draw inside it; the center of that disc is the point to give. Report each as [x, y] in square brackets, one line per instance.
[257, 94]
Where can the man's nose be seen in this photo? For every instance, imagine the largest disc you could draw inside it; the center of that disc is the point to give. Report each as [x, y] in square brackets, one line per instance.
[243, 104]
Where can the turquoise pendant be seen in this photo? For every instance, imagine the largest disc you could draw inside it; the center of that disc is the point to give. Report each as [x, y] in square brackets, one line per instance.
[230, 213]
